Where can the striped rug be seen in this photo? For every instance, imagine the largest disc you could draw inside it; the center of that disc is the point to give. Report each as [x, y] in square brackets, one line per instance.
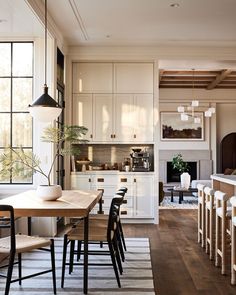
[136, 279]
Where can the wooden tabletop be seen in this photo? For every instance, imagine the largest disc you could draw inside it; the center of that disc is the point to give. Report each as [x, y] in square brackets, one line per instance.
[72, 203]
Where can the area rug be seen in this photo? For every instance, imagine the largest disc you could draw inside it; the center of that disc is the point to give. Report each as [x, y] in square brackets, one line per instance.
[137, 278]
[189, 202]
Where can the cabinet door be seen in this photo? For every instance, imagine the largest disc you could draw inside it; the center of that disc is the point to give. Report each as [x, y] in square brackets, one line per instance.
[124, 117]
[133, 77]
[92, 77]
[144, 195]
[83, 113]
[144, 117]
[103, 117]
[81, 182]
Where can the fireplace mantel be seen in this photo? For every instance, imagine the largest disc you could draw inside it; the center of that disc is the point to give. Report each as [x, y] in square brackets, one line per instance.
[201, 157]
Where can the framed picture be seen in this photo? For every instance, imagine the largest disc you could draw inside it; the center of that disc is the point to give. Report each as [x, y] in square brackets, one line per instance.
[173, 128]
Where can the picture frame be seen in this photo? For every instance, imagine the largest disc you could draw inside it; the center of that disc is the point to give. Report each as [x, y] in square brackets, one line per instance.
[173, 128]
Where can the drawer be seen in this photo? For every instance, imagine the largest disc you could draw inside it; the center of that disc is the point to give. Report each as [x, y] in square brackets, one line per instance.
[105, 179]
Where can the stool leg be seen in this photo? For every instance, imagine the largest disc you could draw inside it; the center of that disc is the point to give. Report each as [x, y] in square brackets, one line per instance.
[207, 229]
[223, 240]
[198, 223]
[203, 224]
[217, 240]
[233, 277]
[211, 233]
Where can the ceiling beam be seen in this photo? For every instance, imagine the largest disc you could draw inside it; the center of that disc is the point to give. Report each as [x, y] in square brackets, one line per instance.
[218, 79]
[161, 72]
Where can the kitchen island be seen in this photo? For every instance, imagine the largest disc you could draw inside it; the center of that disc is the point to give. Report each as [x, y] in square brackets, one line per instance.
[224, 183]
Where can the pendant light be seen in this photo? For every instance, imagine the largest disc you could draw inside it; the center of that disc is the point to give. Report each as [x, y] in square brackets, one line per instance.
[45, 108]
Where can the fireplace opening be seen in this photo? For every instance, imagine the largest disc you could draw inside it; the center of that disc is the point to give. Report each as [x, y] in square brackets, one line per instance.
[173, 175]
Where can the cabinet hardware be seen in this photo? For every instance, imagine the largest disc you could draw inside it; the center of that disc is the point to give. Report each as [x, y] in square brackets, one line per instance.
[91, 135]
[134, 135]
[123, 212]
[89, 179]
[134, 179]
[111, 135]
[123, 180]
[100, 212]
[114, 136]
[100, 180]
[124, 202]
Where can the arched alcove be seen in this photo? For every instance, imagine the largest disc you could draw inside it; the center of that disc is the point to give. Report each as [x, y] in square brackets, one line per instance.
[228, 152]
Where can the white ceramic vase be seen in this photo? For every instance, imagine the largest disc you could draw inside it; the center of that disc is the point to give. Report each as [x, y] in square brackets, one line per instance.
[49, 192]
[185, 180]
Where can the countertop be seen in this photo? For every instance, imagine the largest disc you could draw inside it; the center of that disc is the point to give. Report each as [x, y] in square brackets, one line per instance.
[113, 172]
[230, 179]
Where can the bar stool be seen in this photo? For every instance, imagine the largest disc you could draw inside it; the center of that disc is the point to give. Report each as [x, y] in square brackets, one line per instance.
[201, 214]
[233, 241]
[209, 220]
[223, 215]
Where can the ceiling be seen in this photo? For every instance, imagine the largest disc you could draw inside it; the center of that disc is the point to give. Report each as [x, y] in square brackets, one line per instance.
[139, 23]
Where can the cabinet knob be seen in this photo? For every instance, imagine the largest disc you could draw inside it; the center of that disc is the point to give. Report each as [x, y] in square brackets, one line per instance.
[114, 136]
[135, 180]
[123, 180]
[89, 180]
[135, 136]
[111, 135]
[91, 135]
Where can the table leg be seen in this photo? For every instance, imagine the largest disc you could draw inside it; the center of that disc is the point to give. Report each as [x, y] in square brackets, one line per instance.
[172, 196]
[29, 226]
[86, 222]
[180, 197]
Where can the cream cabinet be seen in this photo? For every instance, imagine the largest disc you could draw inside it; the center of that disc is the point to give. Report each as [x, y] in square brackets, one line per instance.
[83, 113]
[92, 77]
[139, 200]
[144, 196]
[133, 78]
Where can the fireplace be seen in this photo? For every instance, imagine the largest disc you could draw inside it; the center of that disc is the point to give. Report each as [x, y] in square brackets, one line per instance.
[173, 175]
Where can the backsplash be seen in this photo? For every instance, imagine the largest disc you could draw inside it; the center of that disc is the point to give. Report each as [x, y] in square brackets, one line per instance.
[111, 155]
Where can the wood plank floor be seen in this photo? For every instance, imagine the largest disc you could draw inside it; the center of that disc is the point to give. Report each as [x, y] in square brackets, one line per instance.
[180, 266]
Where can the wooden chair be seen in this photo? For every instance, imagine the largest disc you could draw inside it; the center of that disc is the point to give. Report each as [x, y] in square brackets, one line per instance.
[18, 244]
[223, 216]
[201, 214]
[209, 221]
[97, 233]
[233, 241]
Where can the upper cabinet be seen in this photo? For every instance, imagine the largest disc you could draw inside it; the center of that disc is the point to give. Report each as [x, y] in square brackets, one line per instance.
[92, 77]
[133, 78]
[114, 101]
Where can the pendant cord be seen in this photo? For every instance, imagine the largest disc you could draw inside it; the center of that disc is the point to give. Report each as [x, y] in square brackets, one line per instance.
[45, 40]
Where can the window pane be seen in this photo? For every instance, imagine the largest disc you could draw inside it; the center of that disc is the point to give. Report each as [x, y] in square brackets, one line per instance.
[5, 94]
[22, 59]
[22, 94]
[24, 174]
[5, 59]
[5, 130]
[6, 177]
[21, 130]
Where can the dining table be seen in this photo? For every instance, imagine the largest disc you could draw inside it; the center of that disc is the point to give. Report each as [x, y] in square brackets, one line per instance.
[72, 203]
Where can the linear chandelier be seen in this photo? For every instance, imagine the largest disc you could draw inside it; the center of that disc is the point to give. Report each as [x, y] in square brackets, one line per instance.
[189, 110]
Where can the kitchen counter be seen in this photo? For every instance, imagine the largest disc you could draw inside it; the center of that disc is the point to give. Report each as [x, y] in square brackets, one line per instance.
[113, 172]
[224, 183]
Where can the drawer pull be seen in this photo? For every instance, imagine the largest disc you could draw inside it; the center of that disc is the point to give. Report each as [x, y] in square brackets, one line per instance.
[114, 136]
[91, 135]
[123, 180]
[100, 212]
[111, 135]
[123, 213]
[134, 135]
[100, 180]
[124, 202]
[89, 180]
[134, 179]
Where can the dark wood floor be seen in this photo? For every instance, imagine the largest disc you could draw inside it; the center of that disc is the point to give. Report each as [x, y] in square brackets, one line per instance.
[180, 266]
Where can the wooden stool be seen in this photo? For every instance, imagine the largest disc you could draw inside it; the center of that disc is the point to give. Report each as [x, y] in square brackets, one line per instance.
[233, 241]
[201, 214]
[209, 220]
[223, 214]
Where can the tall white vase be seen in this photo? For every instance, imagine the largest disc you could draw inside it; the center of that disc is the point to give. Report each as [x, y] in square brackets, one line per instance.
[185, 180]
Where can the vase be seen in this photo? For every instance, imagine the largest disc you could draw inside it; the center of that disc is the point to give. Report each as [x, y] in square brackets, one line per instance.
[49, 192]
[185, 180]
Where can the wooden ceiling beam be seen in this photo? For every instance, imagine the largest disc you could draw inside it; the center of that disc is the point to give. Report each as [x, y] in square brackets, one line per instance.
[218, 79]
[161, 72]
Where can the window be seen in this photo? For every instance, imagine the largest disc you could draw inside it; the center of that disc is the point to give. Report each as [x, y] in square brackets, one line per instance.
[16, 91]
